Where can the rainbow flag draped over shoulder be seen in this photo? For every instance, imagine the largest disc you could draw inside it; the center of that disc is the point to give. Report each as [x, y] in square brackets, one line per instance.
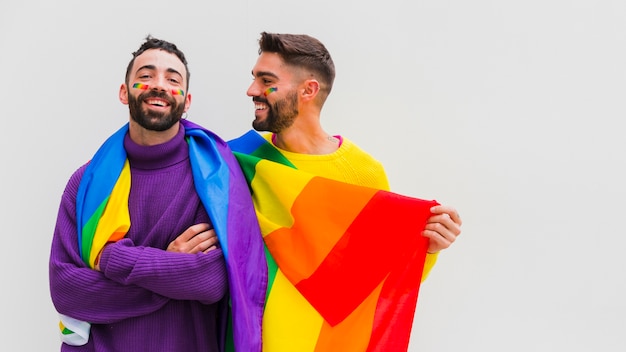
[102, 216]
[354, 253]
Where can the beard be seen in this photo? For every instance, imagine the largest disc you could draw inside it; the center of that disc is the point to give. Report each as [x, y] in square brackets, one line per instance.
[153, 120]
[280, 115]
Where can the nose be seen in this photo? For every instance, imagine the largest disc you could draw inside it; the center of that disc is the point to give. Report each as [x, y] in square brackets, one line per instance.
[159, 83]
[253, 90]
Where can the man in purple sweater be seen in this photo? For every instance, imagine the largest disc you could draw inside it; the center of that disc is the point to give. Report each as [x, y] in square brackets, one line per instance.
[160, 284]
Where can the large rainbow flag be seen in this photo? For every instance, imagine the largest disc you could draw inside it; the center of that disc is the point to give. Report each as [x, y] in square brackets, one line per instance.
[355, 254]
[102, 216]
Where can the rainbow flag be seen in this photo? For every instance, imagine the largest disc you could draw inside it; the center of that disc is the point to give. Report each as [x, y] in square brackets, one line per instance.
[102, 216]
[355, 254]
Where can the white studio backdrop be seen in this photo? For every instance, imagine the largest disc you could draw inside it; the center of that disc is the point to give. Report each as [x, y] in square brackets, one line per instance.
[511, 111]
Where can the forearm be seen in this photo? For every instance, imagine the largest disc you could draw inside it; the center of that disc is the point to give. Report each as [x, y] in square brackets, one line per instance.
[181, 276]
[83, 293]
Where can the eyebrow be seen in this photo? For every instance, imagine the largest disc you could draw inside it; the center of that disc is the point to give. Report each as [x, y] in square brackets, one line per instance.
[264, 73]
[152, 68]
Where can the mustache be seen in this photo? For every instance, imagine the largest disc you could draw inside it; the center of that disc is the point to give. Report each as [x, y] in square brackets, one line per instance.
[157, 94]
[259, 100]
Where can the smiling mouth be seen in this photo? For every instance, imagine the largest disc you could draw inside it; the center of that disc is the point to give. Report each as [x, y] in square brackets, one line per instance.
[157, 102]
[260, 106]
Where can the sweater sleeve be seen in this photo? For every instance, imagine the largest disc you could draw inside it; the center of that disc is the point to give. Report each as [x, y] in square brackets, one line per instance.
[431, 259]
[81, 292]
[179, 276]
[146, 278]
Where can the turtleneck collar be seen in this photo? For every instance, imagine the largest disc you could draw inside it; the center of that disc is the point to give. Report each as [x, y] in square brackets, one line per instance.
[157, 156]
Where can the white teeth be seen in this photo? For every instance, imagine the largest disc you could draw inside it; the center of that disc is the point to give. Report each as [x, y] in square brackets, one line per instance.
[155, 102]
[259, 106]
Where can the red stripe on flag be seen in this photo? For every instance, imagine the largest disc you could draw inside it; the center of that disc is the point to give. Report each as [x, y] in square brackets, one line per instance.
[393, 320]
[380, 238]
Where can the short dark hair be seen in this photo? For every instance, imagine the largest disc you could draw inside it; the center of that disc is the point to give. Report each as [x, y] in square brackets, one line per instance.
[301, 50]
[154, 43]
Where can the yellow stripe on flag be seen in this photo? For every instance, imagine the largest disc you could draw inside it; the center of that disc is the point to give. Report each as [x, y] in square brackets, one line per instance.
[285, 306]
[115, 220]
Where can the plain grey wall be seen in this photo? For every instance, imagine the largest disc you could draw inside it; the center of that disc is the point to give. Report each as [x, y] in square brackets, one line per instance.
[512, 111]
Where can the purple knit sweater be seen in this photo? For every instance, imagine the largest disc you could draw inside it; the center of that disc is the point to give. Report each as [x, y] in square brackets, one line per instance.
[144, 298]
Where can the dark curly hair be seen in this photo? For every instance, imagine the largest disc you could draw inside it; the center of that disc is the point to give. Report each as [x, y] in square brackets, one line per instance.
[154, 43]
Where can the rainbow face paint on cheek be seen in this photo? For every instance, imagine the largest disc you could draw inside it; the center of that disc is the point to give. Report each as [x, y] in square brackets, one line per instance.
[270, 90]
[140, 86]
[145, 86]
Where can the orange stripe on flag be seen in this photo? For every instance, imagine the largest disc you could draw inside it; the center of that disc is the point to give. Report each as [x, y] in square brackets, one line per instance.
[299, 255]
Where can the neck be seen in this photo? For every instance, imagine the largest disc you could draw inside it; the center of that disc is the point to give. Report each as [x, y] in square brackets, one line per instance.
[315, 144]
[146, 137]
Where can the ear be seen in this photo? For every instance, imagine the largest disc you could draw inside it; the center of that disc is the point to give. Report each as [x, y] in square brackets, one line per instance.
[310, 90]
[187, 101]
[124, 94]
